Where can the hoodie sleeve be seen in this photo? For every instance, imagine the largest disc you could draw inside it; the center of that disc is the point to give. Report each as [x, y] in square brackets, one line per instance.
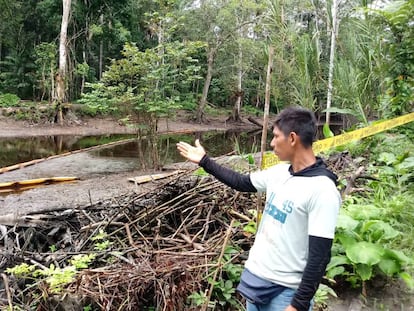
[319, 257]
[235, 180]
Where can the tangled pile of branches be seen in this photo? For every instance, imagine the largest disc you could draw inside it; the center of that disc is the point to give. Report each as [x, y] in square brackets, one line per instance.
[155, 249]
[149, 251]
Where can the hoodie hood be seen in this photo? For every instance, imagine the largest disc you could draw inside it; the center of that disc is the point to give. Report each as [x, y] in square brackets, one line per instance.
[317, 169]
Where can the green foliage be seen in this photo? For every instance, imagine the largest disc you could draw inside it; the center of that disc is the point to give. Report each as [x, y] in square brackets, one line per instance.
[16, 75]
[224, 289]
[374, 228]
[322, 296]
[251, 226]
[398, 18]
[327, 131]
[82, 261]
[21, 270]
[200, 172]
[46, 63]
[151, 80]
[147, 84]
[373, 68]
[98, 100]
[55, 277]
[82, 69]
[362, 250]
[197, 299]
[308, 71]
[101, 241]
[9, 100]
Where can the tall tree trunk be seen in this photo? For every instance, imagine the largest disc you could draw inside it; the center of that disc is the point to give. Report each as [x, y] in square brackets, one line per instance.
[101, 50]
[267, 103]
[239, 95]
[61, 76]
[334, 30]
[83, 81]
[259, 208]
[203, 101]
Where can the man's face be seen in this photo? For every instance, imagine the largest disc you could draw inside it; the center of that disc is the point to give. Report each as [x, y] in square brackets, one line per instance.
[281, 144]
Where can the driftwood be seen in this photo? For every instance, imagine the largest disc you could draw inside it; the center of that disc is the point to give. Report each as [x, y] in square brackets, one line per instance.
[255, 122]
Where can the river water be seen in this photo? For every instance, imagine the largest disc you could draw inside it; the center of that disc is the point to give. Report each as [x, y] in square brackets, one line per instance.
[129, 152]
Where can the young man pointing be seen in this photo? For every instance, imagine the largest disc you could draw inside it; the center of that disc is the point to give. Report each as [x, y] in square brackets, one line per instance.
[293, 242]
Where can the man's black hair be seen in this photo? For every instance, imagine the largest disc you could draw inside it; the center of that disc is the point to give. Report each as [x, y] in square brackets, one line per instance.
[299, 120]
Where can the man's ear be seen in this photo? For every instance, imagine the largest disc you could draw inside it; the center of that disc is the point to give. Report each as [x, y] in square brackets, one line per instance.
[293, 138]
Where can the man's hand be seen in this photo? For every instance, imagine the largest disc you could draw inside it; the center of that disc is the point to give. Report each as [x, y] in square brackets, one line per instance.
[290, 308]
[194, 154]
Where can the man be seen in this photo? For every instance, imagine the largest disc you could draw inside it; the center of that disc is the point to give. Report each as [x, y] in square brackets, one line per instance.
[293, 242]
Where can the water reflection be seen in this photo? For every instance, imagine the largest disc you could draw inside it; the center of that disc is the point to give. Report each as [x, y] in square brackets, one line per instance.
[18, 150]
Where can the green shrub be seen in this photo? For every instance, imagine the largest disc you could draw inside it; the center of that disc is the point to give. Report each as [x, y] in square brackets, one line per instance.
[9, 100]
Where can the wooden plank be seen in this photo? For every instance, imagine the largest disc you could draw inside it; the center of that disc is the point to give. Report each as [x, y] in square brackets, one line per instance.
[151, 177]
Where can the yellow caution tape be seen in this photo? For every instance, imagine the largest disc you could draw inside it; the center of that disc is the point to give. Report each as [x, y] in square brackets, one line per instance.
[270, 159]
[31, 183]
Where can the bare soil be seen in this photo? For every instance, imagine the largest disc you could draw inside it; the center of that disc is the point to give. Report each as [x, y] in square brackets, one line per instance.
[181, 122]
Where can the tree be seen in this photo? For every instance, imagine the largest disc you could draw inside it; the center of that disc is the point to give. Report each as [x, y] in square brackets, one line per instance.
[62, 73]
[45, 54]
[399, 19]
[248, 16]
[334, 33]
[223, 25]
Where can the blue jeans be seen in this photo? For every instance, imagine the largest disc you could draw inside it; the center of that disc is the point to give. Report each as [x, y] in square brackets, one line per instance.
[279, 303]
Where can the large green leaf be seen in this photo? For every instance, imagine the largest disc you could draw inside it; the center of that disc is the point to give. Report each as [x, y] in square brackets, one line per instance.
[346, 238]
[336, 266]
[380, 230]
[364, 211]
[340, 110]
[387, 157]
[332, 273]
[327, 131]
[337, 261]
[346, 222]
[365, 253]
[408, 279]
[398, 256]
[389, 266]
[364, 271]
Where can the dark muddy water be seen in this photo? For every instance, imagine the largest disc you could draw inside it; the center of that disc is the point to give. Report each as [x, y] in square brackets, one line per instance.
[18, 150]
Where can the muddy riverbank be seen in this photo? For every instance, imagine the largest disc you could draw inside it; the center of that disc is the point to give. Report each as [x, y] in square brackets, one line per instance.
[99, 178]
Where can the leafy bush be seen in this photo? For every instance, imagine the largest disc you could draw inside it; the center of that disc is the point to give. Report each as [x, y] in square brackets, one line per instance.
[9, 100]
[374, 226]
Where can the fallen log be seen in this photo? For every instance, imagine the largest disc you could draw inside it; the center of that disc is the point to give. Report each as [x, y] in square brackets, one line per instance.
[255, 122]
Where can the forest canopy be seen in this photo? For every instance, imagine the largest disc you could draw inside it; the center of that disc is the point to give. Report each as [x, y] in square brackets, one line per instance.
[353, 57]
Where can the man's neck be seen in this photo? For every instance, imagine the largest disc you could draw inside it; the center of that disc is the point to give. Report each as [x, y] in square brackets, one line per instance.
[303, 160]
